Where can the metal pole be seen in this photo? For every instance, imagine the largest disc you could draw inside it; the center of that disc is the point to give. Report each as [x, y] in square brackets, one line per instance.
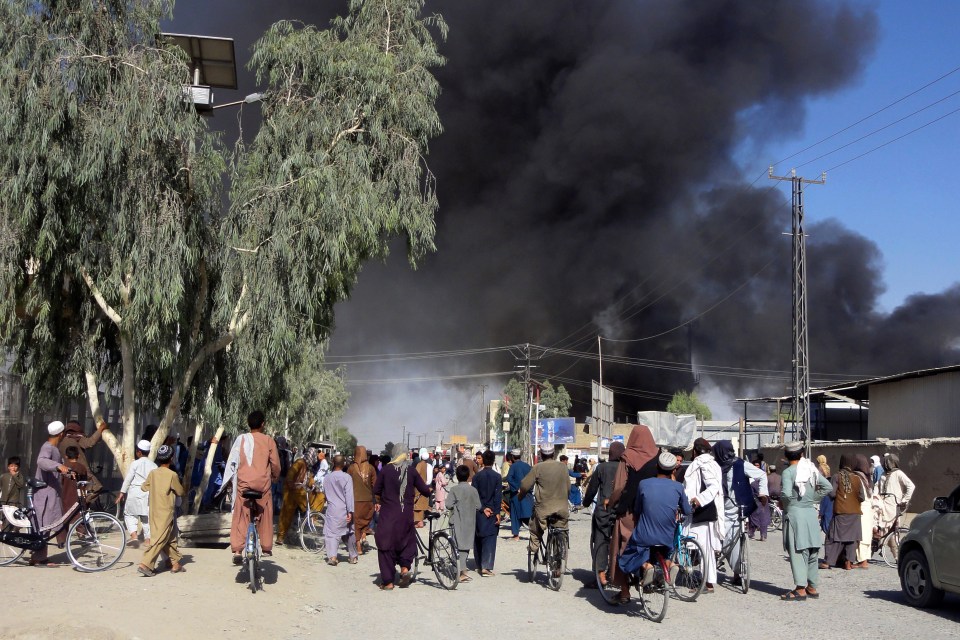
[483, 415]
[600, 425]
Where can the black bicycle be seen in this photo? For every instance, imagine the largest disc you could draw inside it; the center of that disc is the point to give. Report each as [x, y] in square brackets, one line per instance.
[95, 540]
[439, 552]
[552, 554]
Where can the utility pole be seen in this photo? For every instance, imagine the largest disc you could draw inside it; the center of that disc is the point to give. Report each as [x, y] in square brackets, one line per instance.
[801, 364]
[483, 414]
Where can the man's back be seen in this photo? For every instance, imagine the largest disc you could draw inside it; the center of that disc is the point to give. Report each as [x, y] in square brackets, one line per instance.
[552, 481]
[264, 467]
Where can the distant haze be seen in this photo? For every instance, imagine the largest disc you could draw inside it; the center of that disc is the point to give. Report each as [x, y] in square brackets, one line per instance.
[586, 177]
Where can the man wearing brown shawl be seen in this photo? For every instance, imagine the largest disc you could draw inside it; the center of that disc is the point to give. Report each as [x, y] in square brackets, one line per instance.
[364, 477]
[637, 463]
[864, 471]
[845, 529]
[598, 490]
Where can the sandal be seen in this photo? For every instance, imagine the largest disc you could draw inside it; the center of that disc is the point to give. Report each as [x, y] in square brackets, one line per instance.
[812, 594]
[176, 567]
[405, 579]
[623, 599]
[793, 596]
[386, 587]
[465, 578]
[145, 571]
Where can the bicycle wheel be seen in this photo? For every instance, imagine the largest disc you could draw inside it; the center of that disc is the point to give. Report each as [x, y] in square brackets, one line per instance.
[311, 533]
[890, 545]
[444, 558]
[252, 567]
[8, 553]
[654, 597]
[776, 518]
[556, 560]
[691, 579]
[96, 542]
[531, 566]
[601, 559]
[743, 565]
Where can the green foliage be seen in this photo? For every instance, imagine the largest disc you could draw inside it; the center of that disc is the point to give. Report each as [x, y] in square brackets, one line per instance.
[516, 404]
[119, 267]
[557, 401]
[688, 403]
[343, 441]
[315, 399]
[335, 172]
[103, 173]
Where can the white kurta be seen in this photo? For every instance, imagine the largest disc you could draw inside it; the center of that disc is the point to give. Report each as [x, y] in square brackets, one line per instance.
[704, 472]
[137, 501]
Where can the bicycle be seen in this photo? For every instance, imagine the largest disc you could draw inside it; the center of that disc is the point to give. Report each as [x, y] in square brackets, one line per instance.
[743, 565]
[552, 554]
[609, 591]
[95, 540]
[310, 529]
[688, 556]
[440, 553]
[252, 550]
[654, 596]
[888, 544]
[776, 515]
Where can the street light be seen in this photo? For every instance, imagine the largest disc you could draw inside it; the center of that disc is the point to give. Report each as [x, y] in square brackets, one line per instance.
[250, 99]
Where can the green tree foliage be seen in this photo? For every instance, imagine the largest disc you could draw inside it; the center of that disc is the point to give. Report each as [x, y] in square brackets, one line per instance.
[315, 399]
[688, 403]
[515, 404]
[556, 401]
[120, 271]
[343, 441]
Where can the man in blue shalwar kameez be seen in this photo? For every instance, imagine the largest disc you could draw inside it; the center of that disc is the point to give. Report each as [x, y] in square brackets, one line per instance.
[520, 510]
[658, 501]
[489, 486]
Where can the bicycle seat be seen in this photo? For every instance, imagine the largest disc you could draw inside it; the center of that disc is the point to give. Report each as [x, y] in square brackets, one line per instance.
[552, 520]
[33, 483]
[431, 515]
[250, 494]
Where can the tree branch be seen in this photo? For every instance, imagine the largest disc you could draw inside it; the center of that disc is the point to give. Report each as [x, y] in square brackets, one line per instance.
[98, 296]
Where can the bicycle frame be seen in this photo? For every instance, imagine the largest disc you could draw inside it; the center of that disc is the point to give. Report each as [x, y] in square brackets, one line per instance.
[38, 538]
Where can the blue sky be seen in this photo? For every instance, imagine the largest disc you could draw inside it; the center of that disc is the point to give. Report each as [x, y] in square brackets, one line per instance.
[903, 197]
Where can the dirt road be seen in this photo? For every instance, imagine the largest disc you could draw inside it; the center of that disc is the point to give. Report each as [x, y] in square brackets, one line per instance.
[304, 598]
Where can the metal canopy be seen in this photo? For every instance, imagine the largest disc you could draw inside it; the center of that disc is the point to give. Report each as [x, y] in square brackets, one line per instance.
[212, 60]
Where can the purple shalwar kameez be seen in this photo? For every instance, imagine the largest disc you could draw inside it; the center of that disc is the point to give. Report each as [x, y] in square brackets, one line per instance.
[338, 487]
[47, 501]
[395, 531]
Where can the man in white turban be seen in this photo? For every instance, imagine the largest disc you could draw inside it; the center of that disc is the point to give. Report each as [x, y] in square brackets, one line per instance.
[47, 499]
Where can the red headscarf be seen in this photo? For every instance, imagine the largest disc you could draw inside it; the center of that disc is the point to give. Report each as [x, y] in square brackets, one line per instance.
[641, 448]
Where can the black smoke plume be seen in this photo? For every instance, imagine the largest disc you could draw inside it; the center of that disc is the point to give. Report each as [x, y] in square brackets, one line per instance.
[587, 176]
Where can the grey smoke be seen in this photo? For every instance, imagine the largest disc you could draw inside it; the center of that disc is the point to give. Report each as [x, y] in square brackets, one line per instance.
[587, 173]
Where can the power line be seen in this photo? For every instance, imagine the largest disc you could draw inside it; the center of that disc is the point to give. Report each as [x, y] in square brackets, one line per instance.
[865, 118]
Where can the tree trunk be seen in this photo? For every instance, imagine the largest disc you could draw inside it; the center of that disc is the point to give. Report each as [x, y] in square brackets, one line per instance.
[188, 472]
[207, 469]
[128, 441]
[93, 399]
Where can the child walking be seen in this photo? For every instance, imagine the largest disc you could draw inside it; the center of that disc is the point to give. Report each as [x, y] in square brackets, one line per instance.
[137, 508]
[164, 487]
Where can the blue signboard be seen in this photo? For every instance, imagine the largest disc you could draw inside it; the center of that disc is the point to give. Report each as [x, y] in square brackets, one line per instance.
[553, 431]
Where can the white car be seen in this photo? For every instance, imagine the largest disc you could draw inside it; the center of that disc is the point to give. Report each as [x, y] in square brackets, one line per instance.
[929, 562]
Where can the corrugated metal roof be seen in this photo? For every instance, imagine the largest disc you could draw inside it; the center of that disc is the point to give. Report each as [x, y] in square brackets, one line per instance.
[861, 384]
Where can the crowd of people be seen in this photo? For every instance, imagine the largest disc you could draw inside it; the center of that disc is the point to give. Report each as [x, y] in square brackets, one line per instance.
[637, 496]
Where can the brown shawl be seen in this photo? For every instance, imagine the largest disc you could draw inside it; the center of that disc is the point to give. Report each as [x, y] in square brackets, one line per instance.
[364, 475]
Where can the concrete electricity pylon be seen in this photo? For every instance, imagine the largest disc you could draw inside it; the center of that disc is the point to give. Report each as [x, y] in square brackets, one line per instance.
[801, 359]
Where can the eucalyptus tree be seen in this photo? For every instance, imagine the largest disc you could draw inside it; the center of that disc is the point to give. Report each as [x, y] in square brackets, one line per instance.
[120, 268]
